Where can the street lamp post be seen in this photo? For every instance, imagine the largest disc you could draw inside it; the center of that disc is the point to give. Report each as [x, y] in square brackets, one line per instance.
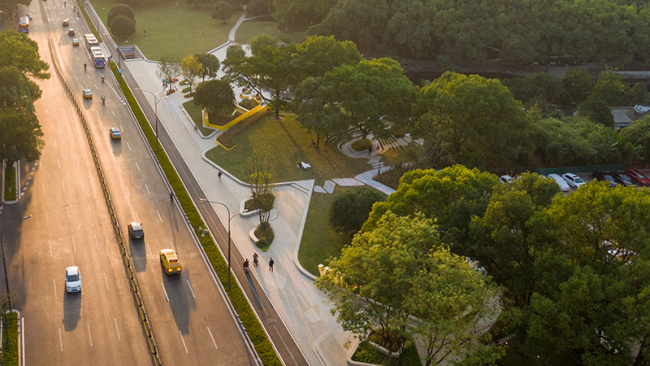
[229, 218]
[155, 107]
[4, 262]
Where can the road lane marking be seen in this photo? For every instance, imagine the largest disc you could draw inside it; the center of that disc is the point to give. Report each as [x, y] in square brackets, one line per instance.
[76, 75]
[74, 246]
[47, 111]
[105, 280]
[189, 284]
[159, 216]
[117, 329]
[52, 125]
[118, 164]
[60, 340]
[285, 345]
[55, 144]
[44, 188]
[58, 162]
[181, 334]
[63, 185]
[89, 335]
[55, 297]
[67, 209]
[215, 343]
[170, 242]
[113, 112]
[127, 191]
[137, 217]
[96, 242]
[149, 250]
[90, 212]
[147, 189]
[50, 248]
[166, 297]
[127, 144]
[137, 166]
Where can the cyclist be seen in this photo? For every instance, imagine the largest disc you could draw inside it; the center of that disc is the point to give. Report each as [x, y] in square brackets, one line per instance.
[84, 67]
[103, 99]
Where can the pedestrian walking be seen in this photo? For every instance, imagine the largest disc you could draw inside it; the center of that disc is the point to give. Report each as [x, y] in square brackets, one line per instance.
[271, 265]
[370, 150]
[196, 128]
[171, 197]
[202, 33]
[219, 175]
[145, 33]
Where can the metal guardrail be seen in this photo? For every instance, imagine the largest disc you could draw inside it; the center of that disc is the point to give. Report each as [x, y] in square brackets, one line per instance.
[111, 210]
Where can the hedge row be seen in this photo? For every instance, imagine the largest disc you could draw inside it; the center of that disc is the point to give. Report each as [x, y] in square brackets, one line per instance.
[10, 183]
[91, 25]
[255, 331]
[227, 138]
[10, 331]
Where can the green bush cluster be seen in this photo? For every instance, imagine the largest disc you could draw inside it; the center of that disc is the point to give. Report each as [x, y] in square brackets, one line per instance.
[10, 331]
[365, 353]
[227, 138]
[254, 329]
[361, 145]
[10, 183]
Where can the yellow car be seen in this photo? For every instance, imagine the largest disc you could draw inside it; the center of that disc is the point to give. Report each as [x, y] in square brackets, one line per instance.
[75, 42]
[170, 262]
[88, 94]
[116, 134]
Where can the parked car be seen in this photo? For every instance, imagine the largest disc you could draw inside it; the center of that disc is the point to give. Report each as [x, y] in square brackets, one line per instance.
[135, 230]
[622, 179]
[638, 177]
[506, 179]
[72, 279]
[561, 182]
[573, 180]
[604, 177]
[170, 262]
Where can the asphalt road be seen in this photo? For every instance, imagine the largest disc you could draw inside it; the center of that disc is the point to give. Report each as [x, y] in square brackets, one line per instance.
[191, 322]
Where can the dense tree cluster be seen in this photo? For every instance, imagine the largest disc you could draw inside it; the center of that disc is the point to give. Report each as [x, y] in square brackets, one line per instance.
[20, 130]
[469, 32]
[572, 267]
[121, 20]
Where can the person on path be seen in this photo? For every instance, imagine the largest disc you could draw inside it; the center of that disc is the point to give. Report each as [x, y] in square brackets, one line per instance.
[171, 197]
[370, 150]
[219, 175]
[145, 33]
[255, 261]
[271, 265]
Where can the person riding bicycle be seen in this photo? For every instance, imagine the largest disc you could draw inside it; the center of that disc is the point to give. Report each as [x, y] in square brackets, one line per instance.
[84, 67]
[103, 99]
[102, 78]
[246, 264]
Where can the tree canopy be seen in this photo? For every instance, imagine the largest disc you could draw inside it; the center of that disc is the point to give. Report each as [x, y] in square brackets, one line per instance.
[349, 210]
[221, 10]
[210, 65]
[191, 68]
[216, 96]
[122, 26]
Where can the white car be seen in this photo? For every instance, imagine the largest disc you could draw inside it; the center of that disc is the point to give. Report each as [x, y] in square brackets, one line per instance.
[505, 179]
[561, 182]
[72, 279]
[573, 180]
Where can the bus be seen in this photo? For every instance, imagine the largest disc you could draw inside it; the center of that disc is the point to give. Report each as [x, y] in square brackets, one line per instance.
[98, 57]
[91, 41]
[24, 24]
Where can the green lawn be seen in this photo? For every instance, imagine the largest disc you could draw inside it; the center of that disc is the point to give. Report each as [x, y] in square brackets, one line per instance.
[291, 144]
[195, 114]
[10, 331]
[319, 240]
[10, 183]
[173, 28]
[253, 27]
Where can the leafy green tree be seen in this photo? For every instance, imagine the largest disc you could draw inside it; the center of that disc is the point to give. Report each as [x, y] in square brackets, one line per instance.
[16, 90]
[258, 171]
[351, 208]
[20, 51]
[122, 27]
[578, 84]
[483, 123]
[221, 10]
[611, 88]
[120, 9]
[210, 65]
[216, 96]
[271, 67]
[560, 143]
[318, 55]
[263, 40]
[639, 134]
[235, 52]
[597, 109]
[451, 197]
[20, 135]
[131, 3]
[191, 68]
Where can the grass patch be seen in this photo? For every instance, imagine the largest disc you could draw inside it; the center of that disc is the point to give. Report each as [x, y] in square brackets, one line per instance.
[91, 25]
[221, 120]
[183, 82]
[172, 23]
[365, 353]
[10, 331]
[194, 112]
[10, 183]
[185, 90]
[253, 27]
[255, 331]
[361, 145]
[292, 144]
[319, 240]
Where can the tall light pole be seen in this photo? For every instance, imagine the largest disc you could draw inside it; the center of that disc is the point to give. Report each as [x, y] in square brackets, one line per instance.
[155, 107]
[229, 218]
[4, 261]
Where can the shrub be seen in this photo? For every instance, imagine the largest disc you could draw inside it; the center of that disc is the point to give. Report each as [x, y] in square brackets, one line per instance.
[120, 9]
[216, 96]
[265, 232]
[350, 210]
[361, 145]
[249, 103]
[122, 26]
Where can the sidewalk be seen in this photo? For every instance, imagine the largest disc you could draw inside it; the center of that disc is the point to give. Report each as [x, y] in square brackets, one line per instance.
[290, 288]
